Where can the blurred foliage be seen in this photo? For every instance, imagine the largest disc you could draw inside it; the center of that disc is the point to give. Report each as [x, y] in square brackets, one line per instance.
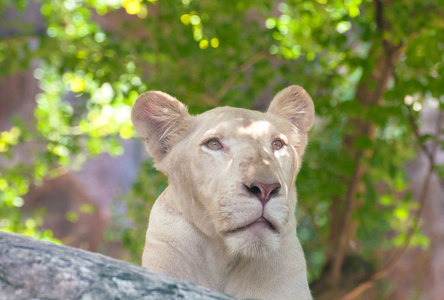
[96, 56]
[129, 228]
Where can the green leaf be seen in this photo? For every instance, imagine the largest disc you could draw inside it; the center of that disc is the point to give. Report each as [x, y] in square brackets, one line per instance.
[363, 143]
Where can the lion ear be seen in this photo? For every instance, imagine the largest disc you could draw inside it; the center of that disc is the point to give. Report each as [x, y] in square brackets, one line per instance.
[294, 104]
[161, 120]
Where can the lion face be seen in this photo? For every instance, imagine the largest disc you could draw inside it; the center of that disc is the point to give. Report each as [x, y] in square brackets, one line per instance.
[234, 169]
[243, 167]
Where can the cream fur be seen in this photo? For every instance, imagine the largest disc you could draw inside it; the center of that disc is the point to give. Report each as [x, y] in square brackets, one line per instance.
[201, 228]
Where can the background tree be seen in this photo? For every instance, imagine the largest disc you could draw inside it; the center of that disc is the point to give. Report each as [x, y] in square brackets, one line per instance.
[369, 66]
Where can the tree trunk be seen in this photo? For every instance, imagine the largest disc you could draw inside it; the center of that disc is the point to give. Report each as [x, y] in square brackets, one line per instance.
[32, 269]
[370, 92]
[341, 243]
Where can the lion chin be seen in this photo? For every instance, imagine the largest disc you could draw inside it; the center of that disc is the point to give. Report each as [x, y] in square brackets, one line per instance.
[257, 239]
[227, 218]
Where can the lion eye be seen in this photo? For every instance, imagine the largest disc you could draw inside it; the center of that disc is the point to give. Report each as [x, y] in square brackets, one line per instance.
[277, 144]
[214, 144]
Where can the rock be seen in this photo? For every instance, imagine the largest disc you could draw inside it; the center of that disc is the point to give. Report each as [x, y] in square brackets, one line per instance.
[33, 269]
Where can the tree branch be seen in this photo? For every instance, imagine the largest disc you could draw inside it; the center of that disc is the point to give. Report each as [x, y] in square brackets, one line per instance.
[240, 69]
[349, 208]
[21, 39]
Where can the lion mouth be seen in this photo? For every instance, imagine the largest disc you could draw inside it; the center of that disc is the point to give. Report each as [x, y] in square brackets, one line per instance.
[259, 222]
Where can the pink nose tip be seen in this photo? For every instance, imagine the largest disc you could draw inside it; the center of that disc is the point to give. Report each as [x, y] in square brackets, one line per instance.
[263, 191]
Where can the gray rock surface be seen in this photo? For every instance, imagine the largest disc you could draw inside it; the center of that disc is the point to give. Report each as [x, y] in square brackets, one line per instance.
[33, 269]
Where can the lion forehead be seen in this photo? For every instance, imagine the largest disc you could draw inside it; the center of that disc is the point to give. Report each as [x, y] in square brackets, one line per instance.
[226, 122]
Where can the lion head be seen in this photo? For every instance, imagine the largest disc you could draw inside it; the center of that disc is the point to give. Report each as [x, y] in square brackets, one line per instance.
[232, 170]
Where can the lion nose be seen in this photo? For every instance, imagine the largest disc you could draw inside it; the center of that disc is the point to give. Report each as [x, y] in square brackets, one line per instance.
[263, 191]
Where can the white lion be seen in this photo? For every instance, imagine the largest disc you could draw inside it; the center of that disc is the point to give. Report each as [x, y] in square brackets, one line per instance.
[226, 221]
